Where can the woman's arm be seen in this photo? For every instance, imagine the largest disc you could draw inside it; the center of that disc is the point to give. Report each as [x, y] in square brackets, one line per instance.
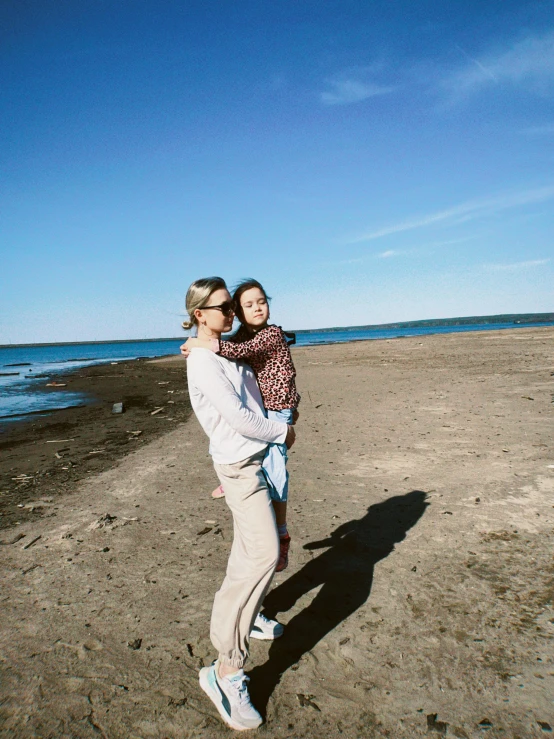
[210, 378]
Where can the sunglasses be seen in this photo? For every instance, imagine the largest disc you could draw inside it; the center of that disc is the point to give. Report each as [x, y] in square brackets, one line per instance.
[227, 308]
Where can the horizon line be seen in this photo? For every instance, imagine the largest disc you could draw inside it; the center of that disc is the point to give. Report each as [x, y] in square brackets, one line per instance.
[392, 324]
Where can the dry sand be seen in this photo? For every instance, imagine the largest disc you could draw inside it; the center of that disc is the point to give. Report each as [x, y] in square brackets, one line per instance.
[418, 600]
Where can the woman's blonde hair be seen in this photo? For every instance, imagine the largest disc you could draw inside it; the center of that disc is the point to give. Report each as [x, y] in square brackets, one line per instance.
[198, 295]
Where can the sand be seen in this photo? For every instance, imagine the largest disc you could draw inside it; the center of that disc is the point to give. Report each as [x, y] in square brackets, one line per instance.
[50, 453]
[418, 600]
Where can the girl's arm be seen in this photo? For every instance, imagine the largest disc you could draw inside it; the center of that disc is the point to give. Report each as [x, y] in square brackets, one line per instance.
[264, 343]
[194, 343]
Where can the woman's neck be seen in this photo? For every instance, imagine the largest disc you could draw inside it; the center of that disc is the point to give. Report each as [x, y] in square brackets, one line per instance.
[206, 334]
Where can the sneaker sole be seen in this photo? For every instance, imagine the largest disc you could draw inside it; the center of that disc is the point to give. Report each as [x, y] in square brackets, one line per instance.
[265, 637]
[206, 687]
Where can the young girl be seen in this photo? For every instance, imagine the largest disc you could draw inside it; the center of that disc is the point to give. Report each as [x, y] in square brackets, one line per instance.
[264, 347]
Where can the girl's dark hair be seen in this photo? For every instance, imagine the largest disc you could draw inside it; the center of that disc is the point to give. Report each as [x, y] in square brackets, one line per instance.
[241, 288]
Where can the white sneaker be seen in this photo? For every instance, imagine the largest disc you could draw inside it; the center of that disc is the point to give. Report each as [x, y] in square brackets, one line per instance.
[266, 628]
[230, 697]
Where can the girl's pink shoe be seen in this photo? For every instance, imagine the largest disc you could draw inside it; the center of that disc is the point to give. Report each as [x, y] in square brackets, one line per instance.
[284, 545]
[218, 492]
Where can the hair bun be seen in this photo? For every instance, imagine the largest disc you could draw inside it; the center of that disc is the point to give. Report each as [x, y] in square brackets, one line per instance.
[187, 325]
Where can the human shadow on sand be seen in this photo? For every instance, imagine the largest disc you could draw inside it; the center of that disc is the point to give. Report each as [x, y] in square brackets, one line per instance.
[345, 572]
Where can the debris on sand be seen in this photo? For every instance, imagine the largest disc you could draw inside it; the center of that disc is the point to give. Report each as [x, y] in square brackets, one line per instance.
[485, 724]
[33, 541]
[31, 568]
[433, 725]
[204, 531]
[135, 644]
[177, 702]
[14, 539]
[105, 520]
[307, 702]
[117, 408]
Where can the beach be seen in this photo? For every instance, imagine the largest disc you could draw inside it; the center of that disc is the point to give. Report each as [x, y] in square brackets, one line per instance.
[52, 452]
[418, 598]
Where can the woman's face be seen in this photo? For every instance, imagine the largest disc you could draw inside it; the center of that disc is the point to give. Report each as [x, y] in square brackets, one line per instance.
[212, 317]
[254, 307]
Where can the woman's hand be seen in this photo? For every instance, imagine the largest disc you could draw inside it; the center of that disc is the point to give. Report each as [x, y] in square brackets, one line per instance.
[291, 437]
[295, 416]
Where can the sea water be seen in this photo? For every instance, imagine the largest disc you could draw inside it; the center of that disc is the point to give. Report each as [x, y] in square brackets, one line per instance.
[24, 370]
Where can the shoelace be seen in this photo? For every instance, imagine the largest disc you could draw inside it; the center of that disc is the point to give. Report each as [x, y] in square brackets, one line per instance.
[240, 685]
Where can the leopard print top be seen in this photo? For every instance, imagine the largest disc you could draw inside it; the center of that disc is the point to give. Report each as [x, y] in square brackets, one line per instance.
[268, 353]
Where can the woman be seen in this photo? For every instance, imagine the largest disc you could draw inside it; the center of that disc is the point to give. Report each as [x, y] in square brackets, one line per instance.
[227, 402]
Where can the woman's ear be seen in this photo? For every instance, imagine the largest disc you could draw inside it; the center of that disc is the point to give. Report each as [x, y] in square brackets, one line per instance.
[198, 315]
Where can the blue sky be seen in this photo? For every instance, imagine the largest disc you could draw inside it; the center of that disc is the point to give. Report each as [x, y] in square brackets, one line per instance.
[368, 162]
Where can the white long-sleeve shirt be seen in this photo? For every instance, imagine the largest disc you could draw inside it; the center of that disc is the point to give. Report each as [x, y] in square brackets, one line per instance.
[227, 401]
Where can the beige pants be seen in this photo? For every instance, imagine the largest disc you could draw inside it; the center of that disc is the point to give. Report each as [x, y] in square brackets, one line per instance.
[254, 556]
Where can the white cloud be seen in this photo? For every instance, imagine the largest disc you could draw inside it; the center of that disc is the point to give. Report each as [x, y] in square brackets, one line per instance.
[547, 129]
[452, 242]
[485, 70]
[516, 266]
[529, 61]
[387, 254]
[347, 91]
[465, 211]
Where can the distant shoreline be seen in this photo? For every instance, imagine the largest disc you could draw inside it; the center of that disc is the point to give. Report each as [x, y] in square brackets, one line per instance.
[518, 319]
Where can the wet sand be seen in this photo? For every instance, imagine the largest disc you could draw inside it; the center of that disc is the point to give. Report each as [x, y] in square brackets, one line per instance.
[418, 600]
[49, 453]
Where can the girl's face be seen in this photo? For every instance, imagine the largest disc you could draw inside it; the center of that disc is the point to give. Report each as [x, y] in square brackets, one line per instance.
[217, 316]
[254, 307]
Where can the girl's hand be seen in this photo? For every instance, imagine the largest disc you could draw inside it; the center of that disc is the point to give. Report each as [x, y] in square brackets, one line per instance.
[295, 416]
[185, 348]
[193, 343]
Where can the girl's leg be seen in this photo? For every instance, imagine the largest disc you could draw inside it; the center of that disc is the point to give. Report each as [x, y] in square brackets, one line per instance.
[280, 508]
[278, 482]
[254, 555]
[275, 469]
